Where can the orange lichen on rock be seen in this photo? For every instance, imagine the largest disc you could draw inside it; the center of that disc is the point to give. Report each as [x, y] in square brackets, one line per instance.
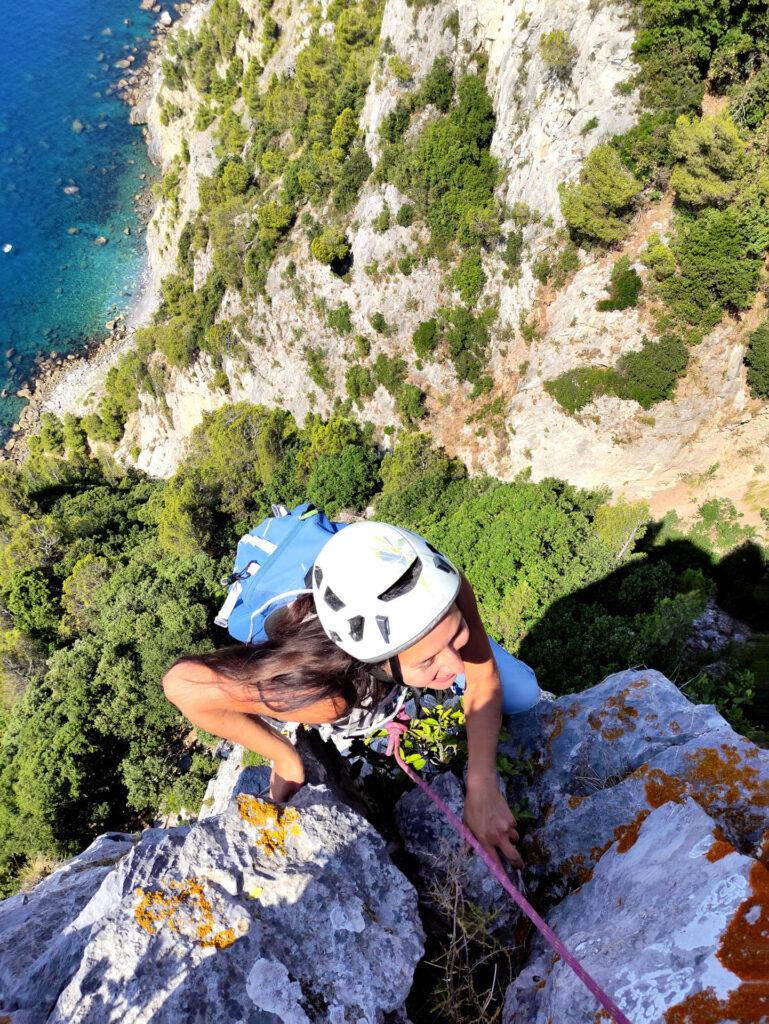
[744, 950]
[616, 716]
[186, 910]
[727, 776]
[575, 801]
[674, 727]
[721, 847]
[275, 823]
[662, 788]
[627, 834]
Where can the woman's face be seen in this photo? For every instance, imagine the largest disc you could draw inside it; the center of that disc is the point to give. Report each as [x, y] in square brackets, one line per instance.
[435, 661]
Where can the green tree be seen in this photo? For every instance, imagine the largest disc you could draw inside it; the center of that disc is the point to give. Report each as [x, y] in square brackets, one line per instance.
[757, 359]
[711, 159]
[598, 207]
[344, 479]
[330, 246]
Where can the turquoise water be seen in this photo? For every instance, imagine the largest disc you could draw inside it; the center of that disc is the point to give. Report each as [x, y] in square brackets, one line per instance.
[56, 288]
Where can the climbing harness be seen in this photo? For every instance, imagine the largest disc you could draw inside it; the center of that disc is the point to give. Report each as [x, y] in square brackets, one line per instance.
[395, 729]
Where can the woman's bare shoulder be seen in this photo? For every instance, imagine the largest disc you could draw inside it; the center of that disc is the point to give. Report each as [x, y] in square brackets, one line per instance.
[191, 684]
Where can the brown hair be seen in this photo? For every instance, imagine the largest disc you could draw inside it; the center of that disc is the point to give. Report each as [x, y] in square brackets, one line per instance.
[297, 665]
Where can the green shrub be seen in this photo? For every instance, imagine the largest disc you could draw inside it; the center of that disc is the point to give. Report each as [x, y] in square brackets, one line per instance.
[381, 222]
[467, 340]
[513, 250]
[405, 216]
[557, 52]
[425, 338]
[719, 259]
[711, 159]
[575, 388]
[346, 479]
[362, 346]
[410, 404]
[469, 278]
[599, 206]
[438, 85]
[624, 288]
[379, 323]
[390, 372]
[757, 359]
[359, 383]
[400, 69]
[317, 367]
[448, 171]
[330, 246]
[650, 375]
[339, 319]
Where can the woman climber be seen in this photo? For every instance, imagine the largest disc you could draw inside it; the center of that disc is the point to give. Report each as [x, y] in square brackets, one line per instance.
[386, 611]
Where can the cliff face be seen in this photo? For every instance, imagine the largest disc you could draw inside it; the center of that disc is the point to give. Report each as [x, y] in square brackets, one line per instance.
[545, 126]
[647, 853]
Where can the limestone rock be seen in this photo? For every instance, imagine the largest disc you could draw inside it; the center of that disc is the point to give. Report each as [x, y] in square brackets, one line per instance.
[676, 918]
[257, 911]
[604, 759]
[434, 844]
[36, 928]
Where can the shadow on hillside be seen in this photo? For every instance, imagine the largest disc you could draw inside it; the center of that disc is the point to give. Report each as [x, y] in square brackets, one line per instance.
[640, 616]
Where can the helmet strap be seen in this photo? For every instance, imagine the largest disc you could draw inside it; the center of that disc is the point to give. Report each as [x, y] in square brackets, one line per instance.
[395, 669]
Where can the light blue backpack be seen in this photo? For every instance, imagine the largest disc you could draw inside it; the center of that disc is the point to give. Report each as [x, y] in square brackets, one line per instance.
[272, 568]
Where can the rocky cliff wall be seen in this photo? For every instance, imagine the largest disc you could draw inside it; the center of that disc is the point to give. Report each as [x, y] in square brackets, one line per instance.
[544, 128]
[647, 853]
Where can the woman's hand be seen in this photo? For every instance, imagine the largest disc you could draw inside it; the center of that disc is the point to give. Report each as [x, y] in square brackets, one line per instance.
[491, 821]
[287, 776]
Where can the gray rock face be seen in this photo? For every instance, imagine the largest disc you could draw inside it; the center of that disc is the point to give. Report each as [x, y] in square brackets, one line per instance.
[436, 846]
[38, 927]
[605, 758]
[661, 812]
[260, 913]
[677, 920]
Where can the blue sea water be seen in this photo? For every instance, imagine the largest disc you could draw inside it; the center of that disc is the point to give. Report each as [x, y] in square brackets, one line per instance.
[57, 61]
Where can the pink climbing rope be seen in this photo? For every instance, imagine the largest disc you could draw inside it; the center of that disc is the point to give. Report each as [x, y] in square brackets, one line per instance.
[395, 729]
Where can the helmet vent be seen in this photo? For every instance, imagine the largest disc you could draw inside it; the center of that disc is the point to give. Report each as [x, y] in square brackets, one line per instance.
[442, 565]
[384, 627]
[356, 627]
[318, 573]
[430, 547]
[335, 637]
[404, 583]
[332, 600]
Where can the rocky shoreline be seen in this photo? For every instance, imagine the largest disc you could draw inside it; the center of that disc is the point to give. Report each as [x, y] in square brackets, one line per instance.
[55, 377]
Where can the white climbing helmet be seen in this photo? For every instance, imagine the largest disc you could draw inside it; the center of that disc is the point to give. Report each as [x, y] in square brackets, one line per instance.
[379, 588]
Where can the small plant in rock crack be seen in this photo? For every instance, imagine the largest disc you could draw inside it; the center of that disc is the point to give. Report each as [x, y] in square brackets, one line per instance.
[435, 741]
[469, 968]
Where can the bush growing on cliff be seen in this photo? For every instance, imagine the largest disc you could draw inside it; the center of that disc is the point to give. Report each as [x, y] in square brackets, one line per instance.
[625, 287]
[719, 263]
[558, 52]
[448, 171]
[599, 206]
[757, 359]
[711, 159]
[330, 246]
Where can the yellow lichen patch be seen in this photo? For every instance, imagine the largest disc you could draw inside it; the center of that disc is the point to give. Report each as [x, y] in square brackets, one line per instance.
[275, 823]
[727, 776]
[662, 788]
[183, 907]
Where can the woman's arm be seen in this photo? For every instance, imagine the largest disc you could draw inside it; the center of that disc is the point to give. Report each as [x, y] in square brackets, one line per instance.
[486, 812]
[198, 693]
